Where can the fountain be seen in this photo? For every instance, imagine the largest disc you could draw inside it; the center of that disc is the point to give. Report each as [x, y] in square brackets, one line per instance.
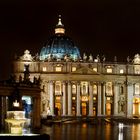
[16, 120]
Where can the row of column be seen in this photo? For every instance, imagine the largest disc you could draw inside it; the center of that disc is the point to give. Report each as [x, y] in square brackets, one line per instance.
[101, 99]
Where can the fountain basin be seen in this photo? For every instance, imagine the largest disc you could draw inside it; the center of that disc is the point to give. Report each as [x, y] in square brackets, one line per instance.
[15, 120]
[16, 125]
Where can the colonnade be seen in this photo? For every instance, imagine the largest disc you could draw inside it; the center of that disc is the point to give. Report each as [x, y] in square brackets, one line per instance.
[100, 102]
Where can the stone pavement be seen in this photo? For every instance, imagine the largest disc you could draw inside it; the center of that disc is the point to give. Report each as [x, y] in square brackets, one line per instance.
[91, 120]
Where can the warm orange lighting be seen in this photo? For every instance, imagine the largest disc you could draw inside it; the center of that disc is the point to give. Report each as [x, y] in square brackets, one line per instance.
[84, 98]
[95, 69]
[59, 30]
[58, 98]
[58, 69]
[84, 125]
[73, 68]
[109, 70]
[108, 98]
[44, 68]
[73, 98]
[121, 71]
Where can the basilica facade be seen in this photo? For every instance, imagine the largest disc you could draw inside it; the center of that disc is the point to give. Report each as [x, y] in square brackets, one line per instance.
[75, 85]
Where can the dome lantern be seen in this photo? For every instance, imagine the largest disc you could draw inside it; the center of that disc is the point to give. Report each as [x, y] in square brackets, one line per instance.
[59, 27]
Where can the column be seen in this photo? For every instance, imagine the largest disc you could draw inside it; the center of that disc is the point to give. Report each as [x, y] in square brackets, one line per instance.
[129, 95]
[52, 97]
[116, 94]
[78, 112]
[99, 100]
[36, 112]
[90, 98]
[69, 99]
[64, 98]
[3, 111]
[104, 99]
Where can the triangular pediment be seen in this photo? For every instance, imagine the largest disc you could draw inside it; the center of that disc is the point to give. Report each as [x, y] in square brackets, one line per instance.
[85, 70]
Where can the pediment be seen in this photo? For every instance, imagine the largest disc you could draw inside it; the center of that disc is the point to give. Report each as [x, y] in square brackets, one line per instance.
[85, 70]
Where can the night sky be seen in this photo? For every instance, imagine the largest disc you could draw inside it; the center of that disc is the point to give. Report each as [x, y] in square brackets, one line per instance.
[104, 27]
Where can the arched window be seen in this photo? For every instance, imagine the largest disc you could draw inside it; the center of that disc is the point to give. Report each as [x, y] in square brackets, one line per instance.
[137, 88]
[95, 89]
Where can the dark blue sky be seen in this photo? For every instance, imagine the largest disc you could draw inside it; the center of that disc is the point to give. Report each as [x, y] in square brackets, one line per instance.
[96, 26]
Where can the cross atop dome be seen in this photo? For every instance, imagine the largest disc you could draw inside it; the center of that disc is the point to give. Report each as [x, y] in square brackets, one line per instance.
[59, 21]
[59, 27]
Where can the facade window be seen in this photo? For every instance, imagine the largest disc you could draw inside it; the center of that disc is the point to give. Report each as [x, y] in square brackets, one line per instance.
[137, 89]
[109, 89]
[44, 69]
[95, 89]
[109, 70]
[95, 69]
[121, 71]
[58, 69]
[137, 69]
[84, 88]
[58, 88]
[74, 89]
[73, 68]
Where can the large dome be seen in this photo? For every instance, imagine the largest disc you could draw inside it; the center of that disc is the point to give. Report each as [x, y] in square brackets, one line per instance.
[59, 46]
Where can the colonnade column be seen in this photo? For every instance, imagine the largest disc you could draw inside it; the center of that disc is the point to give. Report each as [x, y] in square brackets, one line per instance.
[129, 100]
[64, 98]
[51, 97]
[69, 99]
[104, 99]
[116, 91]
[78, 112]
[99, 100]
[90, 98]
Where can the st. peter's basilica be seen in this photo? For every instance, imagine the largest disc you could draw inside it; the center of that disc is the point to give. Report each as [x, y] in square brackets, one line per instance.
[74, 84]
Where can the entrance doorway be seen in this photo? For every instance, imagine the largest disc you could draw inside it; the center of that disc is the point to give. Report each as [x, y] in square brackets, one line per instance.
[136, 107]
[84, 109]
[58, 106]
[108, 109]
[57, 110]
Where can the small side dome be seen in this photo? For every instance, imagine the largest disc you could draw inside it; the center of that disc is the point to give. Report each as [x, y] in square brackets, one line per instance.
[27, 56]
[136, 59]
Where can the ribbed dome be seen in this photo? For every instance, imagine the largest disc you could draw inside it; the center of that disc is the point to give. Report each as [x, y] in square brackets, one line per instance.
[59, 46]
